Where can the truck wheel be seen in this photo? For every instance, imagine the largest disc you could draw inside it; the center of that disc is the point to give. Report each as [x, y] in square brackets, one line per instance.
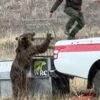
[96, 82]
[60, 84]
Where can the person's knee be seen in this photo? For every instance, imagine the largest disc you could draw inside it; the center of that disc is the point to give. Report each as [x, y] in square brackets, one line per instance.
[71, 12]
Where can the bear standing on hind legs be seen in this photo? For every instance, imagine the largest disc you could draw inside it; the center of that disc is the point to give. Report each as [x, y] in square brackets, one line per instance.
[22, 62]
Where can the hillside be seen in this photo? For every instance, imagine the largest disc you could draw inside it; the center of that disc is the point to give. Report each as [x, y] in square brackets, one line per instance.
[18, 16]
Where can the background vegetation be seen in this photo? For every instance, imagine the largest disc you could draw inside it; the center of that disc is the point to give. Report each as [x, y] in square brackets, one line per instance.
[21, 16]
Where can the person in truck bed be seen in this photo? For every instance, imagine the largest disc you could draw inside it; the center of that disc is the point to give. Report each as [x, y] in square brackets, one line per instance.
[76, 21]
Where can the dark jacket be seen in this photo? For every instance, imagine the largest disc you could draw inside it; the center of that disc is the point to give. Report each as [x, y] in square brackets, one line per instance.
[75, 4]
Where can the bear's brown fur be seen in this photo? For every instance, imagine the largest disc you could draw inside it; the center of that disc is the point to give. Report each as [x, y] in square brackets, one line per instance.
[22, 61]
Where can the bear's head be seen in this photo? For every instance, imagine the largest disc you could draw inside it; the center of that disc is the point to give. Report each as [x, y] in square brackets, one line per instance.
[24, 41]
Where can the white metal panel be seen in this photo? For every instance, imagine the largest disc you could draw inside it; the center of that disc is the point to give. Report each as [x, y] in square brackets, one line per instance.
[78, 41]
[6, 90]
[76, 63]
[5, 66]
[39, 85]
[4, 75]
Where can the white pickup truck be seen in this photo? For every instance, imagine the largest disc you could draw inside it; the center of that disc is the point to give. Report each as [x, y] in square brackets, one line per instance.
[81, 58]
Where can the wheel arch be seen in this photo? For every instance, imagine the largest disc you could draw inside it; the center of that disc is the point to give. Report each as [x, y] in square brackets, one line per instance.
[92, 71]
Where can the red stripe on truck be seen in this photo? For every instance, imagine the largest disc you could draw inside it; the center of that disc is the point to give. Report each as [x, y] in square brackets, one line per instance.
[78, 48]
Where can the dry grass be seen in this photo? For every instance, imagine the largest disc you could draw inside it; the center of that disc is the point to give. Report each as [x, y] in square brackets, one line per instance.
[7, 46]
[86, 32]
[7, 51]
[8, 43]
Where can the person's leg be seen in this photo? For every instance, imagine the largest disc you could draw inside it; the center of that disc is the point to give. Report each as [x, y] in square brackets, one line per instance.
[72, 12]
[80, 24]
[75, 16]
[69, 25]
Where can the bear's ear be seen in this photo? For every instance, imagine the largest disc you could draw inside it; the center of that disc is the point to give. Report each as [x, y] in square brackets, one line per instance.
[16, 38]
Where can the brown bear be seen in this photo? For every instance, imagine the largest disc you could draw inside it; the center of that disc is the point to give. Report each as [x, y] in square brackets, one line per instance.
[22, 62]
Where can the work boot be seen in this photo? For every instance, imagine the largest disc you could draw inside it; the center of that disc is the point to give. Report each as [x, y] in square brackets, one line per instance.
[70, 37]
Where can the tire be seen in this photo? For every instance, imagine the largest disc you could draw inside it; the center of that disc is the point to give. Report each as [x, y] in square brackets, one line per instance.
[61, 85]
[96, 82]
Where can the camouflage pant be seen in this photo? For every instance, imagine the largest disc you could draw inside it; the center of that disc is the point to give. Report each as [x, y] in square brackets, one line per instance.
[75, 17]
